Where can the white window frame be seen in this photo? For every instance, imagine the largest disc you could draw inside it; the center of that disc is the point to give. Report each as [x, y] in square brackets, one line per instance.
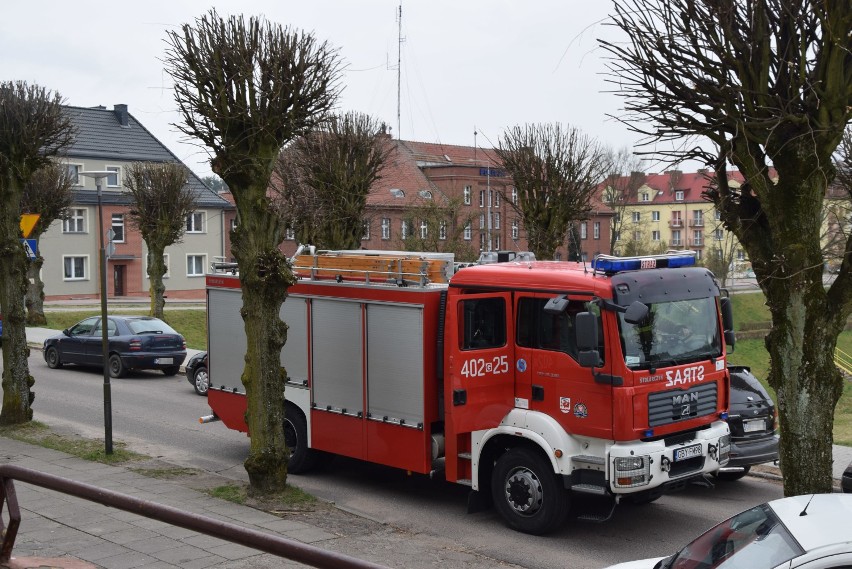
[514, 195]
[655, 235]
[289, 234]
[442, 230]
[203, 257]
[515, 229]
[466, 192]
[481, 198]
[72, 216]
[497, 241]
[697, 236]
[596, 229]
[404, 229]
[365, 235]
[497, 220]
[644, 197]
[637, 216]
[80, 181]
[497, 201]
[234, 223]
[123, 226]
[424, 229]
[117, 170]
[191, 225]
[740, 255]
[584, 230]
[482, 221]
[468, 232]
[168, 272]
[676, 240]
[655, 216]
[84, 268]
[719, 234]
[386, 228]
[678, 195]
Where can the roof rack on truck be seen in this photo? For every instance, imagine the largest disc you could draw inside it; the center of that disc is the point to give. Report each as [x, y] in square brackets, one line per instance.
[402, 268]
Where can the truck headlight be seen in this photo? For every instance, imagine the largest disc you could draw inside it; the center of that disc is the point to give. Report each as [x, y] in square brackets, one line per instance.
[632, 471]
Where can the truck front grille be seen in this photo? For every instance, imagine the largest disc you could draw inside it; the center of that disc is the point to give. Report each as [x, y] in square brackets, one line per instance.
[667, 407]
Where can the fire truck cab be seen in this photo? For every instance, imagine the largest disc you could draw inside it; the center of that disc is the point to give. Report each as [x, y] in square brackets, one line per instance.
[531, 382]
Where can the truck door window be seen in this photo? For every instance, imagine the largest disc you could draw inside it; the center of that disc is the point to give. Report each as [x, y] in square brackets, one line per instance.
[484, 323]
[541, 330]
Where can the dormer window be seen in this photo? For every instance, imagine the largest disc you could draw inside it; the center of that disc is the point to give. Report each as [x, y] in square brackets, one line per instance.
[425, 194]
[678, 195]
[643, 197]
[397, 193]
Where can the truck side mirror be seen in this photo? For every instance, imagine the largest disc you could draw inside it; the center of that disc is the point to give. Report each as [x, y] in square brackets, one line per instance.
[728, 321]
[636, 313]
[586, 328]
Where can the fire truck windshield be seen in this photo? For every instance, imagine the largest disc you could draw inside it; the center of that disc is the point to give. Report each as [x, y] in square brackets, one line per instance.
[676, 332]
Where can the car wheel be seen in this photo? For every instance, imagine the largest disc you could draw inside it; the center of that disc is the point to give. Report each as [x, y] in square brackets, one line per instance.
[52, 358]
[732, 475]
[200, 380]
[171, 370]
[116, 367]
[302, 459]
[527, 493]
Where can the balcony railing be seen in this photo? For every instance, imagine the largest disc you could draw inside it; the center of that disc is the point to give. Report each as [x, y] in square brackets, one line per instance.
[676, 223]
[696, 223]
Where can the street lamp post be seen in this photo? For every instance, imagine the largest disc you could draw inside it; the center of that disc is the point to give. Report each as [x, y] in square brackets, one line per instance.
[98, 177]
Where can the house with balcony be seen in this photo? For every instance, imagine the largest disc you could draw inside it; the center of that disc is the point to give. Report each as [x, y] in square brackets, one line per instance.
[111, 140]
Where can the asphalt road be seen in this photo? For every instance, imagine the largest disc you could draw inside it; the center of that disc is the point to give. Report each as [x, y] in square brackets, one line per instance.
[158, 416]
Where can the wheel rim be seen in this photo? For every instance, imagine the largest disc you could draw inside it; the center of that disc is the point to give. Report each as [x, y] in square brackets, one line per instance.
[291, 439]
[202, 382]
[114, 366]
[52, 357]
[523, 491]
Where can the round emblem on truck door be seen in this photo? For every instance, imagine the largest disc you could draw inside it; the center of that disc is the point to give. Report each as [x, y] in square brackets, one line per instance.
[522, 365]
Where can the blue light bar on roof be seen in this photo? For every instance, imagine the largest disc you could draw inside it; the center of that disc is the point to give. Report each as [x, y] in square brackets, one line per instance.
[611, 265]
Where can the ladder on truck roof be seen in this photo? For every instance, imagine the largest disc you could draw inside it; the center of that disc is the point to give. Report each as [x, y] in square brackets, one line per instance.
[400, 268]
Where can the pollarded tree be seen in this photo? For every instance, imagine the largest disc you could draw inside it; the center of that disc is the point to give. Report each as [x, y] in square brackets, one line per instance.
[624, 177]
[329, 173]
[245, 88]
[760, 84]
[47, 193]
[556, 171]
[161, 200]
[33, 129]
[438, 225]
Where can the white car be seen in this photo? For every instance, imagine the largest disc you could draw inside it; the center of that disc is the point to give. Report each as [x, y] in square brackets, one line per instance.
[810, 532]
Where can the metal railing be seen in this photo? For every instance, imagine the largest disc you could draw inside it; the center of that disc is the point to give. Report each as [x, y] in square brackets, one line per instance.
[276, 545]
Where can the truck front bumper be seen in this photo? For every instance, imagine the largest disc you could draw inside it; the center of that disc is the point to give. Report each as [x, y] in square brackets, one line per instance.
[639, 466]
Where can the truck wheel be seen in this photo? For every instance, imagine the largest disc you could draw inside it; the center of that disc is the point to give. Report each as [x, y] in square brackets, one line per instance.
[731, 475]
[302, 459]
[527, 493]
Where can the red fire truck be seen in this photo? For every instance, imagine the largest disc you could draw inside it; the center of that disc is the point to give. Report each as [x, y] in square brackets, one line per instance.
[530, 382]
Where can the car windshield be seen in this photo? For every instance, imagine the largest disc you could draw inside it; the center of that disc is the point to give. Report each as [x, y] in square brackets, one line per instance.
[754, 539]
[149, 326]
[674, 332]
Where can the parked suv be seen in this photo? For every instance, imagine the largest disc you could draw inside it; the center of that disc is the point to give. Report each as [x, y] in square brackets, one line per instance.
[751, 417]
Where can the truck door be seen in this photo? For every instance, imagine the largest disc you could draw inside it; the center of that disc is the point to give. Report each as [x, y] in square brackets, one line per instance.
[560, 387]
[480, 360]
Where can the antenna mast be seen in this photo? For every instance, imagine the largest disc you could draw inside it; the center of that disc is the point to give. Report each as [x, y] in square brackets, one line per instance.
[399, 77]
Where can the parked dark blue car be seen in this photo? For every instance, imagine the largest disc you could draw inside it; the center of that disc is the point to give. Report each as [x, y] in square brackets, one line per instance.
[135, 342]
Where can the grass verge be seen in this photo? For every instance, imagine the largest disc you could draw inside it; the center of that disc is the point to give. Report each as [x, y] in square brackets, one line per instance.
[88, 449]
[292, 499]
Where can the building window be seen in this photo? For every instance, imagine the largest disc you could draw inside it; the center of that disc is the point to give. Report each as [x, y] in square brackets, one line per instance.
[740, 255]
[75, 267]
[290, 234]
[467, 232]
[386, 228]
[637, 235]
[515, 229]
[655, 216]
[424, 230]
[514, 195]
[719, 234]
[676, 222]
[365, 236]
[679, 195]
[195, 222]
[497, 241]
[718, 215]
[490, 199]
[636, 217]
[481, 198]
[113, 180]
[482, 221]
[596, 227]
[719, 254]
[584, 230]
[676, 238]
[643, 197]
[195, 265]
[74, 173]
[442, 230]
[698, 218]
[403, 229]
[496, 199]
[467, 190]
[167, 274]
[118, 227]
[698, 255]
[618, 235]
[75, 222]
[497, 220]
[234, 224]
[697, 235]
[655, 236]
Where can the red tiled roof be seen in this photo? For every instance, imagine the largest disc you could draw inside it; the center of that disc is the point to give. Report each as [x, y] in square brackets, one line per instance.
[400, 172]
[665, 184]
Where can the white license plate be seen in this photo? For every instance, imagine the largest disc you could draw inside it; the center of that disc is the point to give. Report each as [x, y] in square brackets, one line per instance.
[165, 360]
[754, 425]
[687, 452]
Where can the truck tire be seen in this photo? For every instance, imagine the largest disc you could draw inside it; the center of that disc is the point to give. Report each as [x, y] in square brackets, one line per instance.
[527, 493]
[302, 459]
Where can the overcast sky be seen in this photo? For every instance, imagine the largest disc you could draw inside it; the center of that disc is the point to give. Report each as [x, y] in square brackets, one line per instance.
[469, 65]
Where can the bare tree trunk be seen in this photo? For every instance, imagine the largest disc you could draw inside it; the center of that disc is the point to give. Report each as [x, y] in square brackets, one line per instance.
[35, 293]
[265, 277]
[17, 381]
[156, 271]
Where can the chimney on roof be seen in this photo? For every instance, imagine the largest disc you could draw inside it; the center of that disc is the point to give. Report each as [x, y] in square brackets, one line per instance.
[120, 114]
